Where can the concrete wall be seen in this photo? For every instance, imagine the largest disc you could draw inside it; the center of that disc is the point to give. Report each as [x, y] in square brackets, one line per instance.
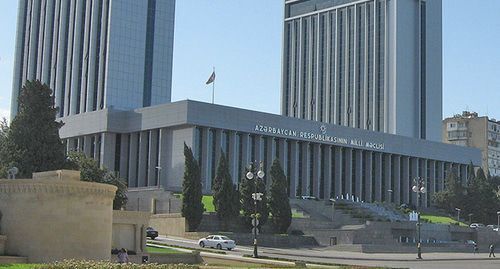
[55, 216]
[169, 224]
[153, 199]
[129, 230]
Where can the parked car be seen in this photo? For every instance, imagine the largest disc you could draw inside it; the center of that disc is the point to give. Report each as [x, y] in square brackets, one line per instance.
[151, 233]
[217, 241]
[470, 242]
[476, 225]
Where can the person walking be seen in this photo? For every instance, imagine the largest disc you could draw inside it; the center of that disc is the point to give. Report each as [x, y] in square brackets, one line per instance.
[122, 256]
[419, 251]
[476, 249]
[492, 250]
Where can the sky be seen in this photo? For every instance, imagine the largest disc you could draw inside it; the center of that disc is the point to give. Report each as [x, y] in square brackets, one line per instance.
[242, 40]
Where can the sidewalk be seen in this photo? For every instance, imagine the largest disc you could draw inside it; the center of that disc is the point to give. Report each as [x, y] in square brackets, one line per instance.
[344, 255]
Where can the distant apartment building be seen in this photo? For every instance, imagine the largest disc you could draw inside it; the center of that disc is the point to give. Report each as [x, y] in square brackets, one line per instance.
[470, 130]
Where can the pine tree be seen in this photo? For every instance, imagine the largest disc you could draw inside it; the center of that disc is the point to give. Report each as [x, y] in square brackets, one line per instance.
[33, 142]
[482, 199]
[192, 207]
[247, 187]
[225, 196]
[4, 130]
[92, 172]
[279, 204]
[453, 194]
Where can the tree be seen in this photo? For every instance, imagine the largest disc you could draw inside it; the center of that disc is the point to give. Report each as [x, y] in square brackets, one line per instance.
[225, 201]
[4, 130]
[91, 172]
[279, 205]
[247, 187]
[481, 199]
[453, 194]
[33, 142]
[192, 207]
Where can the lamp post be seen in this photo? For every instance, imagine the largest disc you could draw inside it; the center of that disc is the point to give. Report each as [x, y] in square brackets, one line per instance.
[390, 191]
[470, 218]
[498, 220]
[458, 213]
[251, 174]
[158, 170]
[418, 188]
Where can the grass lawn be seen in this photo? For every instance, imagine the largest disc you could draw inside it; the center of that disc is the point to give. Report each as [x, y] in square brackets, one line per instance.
[17, 266]
[440, 219]
[207, 200]
[297, 215]
[161, 250]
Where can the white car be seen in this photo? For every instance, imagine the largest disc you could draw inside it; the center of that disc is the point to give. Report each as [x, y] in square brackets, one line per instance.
[476, 225]
[217, 241]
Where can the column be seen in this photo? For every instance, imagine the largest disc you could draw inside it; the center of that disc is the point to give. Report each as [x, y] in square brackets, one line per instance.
[358, 188]
[219, 146]
[316, 176]
[107, 150]
[294, 167]
[405, 178]
[206, 161]
[84, 70]
[414, 173]
[245, 151]
[153, 158]
[425, 176]
[369, 177]
[86, 145]
[103, 48]
[388, 184]
[305, 169]
[396, 175]
[327, 173]
[132, 167]
[378, 176]
[143, 151]
[232, 153]
[124, 146]
[270, 156]
[338, 172]
[348, 171]
[69, 51]
[440, 178]
[33, 39]
[47, 42]
[166, 155]
[283, 155]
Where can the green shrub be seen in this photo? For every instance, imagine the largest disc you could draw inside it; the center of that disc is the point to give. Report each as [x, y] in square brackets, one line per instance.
[74, 264]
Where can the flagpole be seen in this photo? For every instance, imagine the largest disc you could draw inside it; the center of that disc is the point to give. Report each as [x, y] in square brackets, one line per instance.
[213, 86]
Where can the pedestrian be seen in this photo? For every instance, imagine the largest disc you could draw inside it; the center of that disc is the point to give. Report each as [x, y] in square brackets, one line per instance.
[492, 250]
[419, 251]
[476, 249]
[122, 256]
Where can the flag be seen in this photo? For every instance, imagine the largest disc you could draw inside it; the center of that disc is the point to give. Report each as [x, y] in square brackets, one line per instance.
[211, 78]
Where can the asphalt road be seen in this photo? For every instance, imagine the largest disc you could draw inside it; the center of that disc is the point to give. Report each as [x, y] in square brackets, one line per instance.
[325, 255]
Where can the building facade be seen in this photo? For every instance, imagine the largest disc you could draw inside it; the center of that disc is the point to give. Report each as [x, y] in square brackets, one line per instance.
[369, 64]
[319, 159]
[471, 130]
[96, 54]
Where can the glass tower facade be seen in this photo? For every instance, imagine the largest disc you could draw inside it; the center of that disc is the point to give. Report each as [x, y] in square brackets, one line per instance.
[341, 64]
[96, 54]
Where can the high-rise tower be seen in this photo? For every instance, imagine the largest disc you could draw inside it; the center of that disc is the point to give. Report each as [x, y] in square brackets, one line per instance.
[96, 53]
[370, 64]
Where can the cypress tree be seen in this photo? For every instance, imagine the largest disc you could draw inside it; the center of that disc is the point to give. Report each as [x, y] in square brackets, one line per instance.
[279, 204]
[453, 194]
[247, 187]
[192, 206]
[225, 196]
[4, 130]
[33, 142]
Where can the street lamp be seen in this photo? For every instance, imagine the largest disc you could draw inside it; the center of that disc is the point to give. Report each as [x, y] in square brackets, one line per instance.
[390, 191]
[251, 174]
[498, 220]
[470, 218]
[158, 170]
[418, 188]
[458, 213]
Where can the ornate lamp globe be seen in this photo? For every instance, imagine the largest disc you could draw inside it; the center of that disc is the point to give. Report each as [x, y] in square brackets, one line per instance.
[249, 175]
[260, 174]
